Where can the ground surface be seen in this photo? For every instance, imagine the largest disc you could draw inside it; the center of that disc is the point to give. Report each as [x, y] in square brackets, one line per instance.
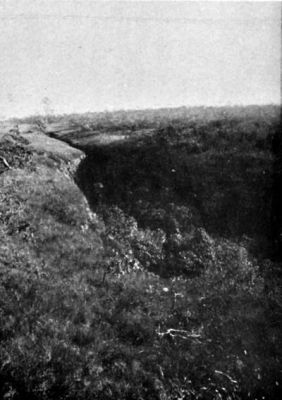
[149, 295]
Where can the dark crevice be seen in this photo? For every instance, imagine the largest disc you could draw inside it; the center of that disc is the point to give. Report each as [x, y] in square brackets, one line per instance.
[230, 193]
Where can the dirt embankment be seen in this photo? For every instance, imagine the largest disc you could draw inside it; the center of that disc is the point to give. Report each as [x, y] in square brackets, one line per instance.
[21, 143]
[230, 192]
[34, 138]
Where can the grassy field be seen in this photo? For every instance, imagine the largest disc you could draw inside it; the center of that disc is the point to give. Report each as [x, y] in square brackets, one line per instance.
[166, 283]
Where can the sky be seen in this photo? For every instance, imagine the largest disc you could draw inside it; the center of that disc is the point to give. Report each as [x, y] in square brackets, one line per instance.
[94, 55]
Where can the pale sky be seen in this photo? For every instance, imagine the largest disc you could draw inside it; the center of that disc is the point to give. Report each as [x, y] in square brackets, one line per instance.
[93, 55]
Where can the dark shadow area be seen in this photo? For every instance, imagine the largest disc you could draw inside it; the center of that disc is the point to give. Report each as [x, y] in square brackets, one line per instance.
[228, 190]
[277, 192]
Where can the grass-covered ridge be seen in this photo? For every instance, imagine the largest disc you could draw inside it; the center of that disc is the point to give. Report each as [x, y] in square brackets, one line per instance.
[102, 304]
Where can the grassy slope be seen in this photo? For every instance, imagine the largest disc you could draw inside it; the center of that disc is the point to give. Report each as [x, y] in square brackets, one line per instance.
[82, 318]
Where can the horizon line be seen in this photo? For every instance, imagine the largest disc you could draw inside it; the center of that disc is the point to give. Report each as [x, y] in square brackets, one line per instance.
[130, 110]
